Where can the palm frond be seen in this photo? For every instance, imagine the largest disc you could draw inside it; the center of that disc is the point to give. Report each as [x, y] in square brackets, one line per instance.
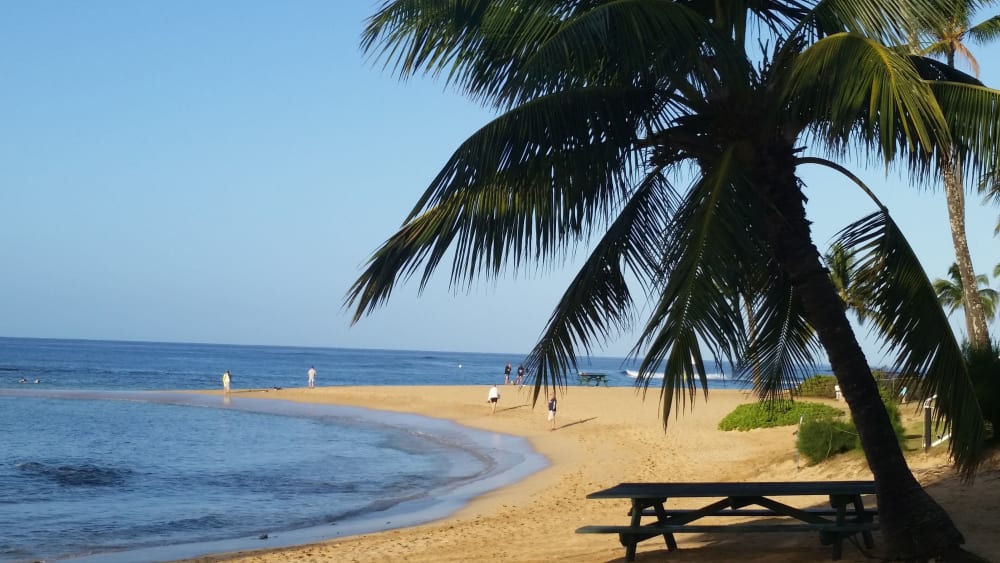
[578, 139]
[937, 71]
[713, 226]
[784, 345]
[973, 116]
[597, 302]
[986, 31]
[526, 186]
[430, 36]
[916, 331]
[586, 49]
[848, 87]
[507, 52]
[881, 19]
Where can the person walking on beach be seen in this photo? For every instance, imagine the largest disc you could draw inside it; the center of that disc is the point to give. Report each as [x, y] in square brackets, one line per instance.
[312, 377]
[520, 375]
[492, 398]
[506, 374]
[226, 381]
[552, 412]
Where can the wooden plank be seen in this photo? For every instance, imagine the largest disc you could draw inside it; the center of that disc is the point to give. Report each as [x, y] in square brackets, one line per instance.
[748, 512]
[658, 529]
[740, 489]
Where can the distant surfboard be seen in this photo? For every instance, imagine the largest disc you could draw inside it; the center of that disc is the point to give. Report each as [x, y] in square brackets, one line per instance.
[659, 375]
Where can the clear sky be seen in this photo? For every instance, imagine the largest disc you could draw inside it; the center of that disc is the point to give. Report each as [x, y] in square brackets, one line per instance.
[220, 171]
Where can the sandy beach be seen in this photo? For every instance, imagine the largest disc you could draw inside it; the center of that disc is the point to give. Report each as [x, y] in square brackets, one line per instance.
[605, 436]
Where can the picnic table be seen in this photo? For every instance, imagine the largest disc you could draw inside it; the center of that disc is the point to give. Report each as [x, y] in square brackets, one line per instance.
[846, 516]
[586, 378]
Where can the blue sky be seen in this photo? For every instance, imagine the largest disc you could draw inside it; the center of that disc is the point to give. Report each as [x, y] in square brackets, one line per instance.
[220, 171]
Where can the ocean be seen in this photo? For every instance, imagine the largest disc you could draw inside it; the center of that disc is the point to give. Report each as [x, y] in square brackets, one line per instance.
[102, 462]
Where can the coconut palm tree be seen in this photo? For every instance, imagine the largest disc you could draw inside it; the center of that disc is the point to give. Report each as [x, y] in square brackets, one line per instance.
[667, 135]
[951, 294]
[947, 39]
[842, 266]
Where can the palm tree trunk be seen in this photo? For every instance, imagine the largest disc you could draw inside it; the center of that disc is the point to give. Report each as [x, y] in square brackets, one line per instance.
[913, 525]
[972, 304]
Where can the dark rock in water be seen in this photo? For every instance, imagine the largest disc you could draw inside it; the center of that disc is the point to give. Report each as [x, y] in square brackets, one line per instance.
[262, 537]
[77, 475]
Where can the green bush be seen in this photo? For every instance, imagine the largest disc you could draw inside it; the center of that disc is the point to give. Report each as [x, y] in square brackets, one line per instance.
[818, 439]
[818, 386]
[775, 413]
[984, 370]
[897, 420]
[822, 437]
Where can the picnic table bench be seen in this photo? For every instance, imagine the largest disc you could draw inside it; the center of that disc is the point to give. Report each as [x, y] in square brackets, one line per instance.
[586, 378]
[846, 517]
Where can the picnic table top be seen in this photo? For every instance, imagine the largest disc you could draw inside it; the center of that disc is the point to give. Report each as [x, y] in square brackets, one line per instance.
[592, 374]
[735, 489]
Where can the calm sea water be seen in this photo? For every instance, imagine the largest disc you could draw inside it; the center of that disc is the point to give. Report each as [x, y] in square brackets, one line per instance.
[101, 462]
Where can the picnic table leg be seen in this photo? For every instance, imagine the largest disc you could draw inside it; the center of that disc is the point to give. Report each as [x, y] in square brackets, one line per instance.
[631, 541]
[838, 541]
[661, 518]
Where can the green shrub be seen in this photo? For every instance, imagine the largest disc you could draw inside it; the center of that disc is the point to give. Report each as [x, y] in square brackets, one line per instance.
[818, 439]
[984, 370]
[818, 386]
[822, 437]
[775, 413]
[897, 420]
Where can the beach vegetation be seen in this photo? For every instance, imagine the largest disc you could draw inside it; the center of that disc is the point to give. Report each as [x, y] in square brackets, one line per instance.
[782, 412]
[666, 139]
[818, 386]
[821, 438]
[984, 369]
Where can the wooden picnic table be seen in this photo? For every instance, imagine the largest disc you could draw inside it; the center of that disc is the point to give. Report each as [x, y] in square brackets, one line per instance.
[586, 378]
[846, 517]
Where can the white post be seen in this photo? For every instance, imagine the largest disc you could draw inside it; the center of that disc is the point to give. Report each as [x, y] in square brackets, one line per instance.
[928, 421]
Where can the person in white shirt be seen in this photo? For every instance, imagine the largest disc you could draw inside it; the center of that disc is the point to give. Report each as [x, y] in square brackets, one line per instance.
[312, 377]
[493, 397]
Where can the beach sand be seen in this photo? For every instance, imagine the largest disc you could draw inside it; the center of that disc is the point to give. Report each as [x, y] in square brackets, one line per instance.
[605, 436]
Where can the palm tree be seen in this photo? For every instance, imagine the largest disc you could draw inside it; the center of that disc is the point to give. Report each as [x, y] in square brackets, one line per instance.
[946, 39]
[843, 273]
[668, 135]
[951, 294]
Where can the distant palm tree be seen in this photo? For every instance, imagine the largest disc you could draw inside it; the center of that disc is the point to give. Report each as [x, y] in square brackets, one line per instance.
[947, 39]
[951, 294]
[843, 273]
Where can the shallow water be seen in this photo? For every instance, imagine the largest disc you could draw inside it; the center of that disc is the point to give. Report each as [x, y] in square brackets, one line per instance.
[161, 471]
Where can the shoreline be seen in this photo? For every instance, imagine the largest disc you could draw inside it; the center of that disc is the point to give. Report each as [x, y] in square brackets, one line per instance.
[604, 436]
